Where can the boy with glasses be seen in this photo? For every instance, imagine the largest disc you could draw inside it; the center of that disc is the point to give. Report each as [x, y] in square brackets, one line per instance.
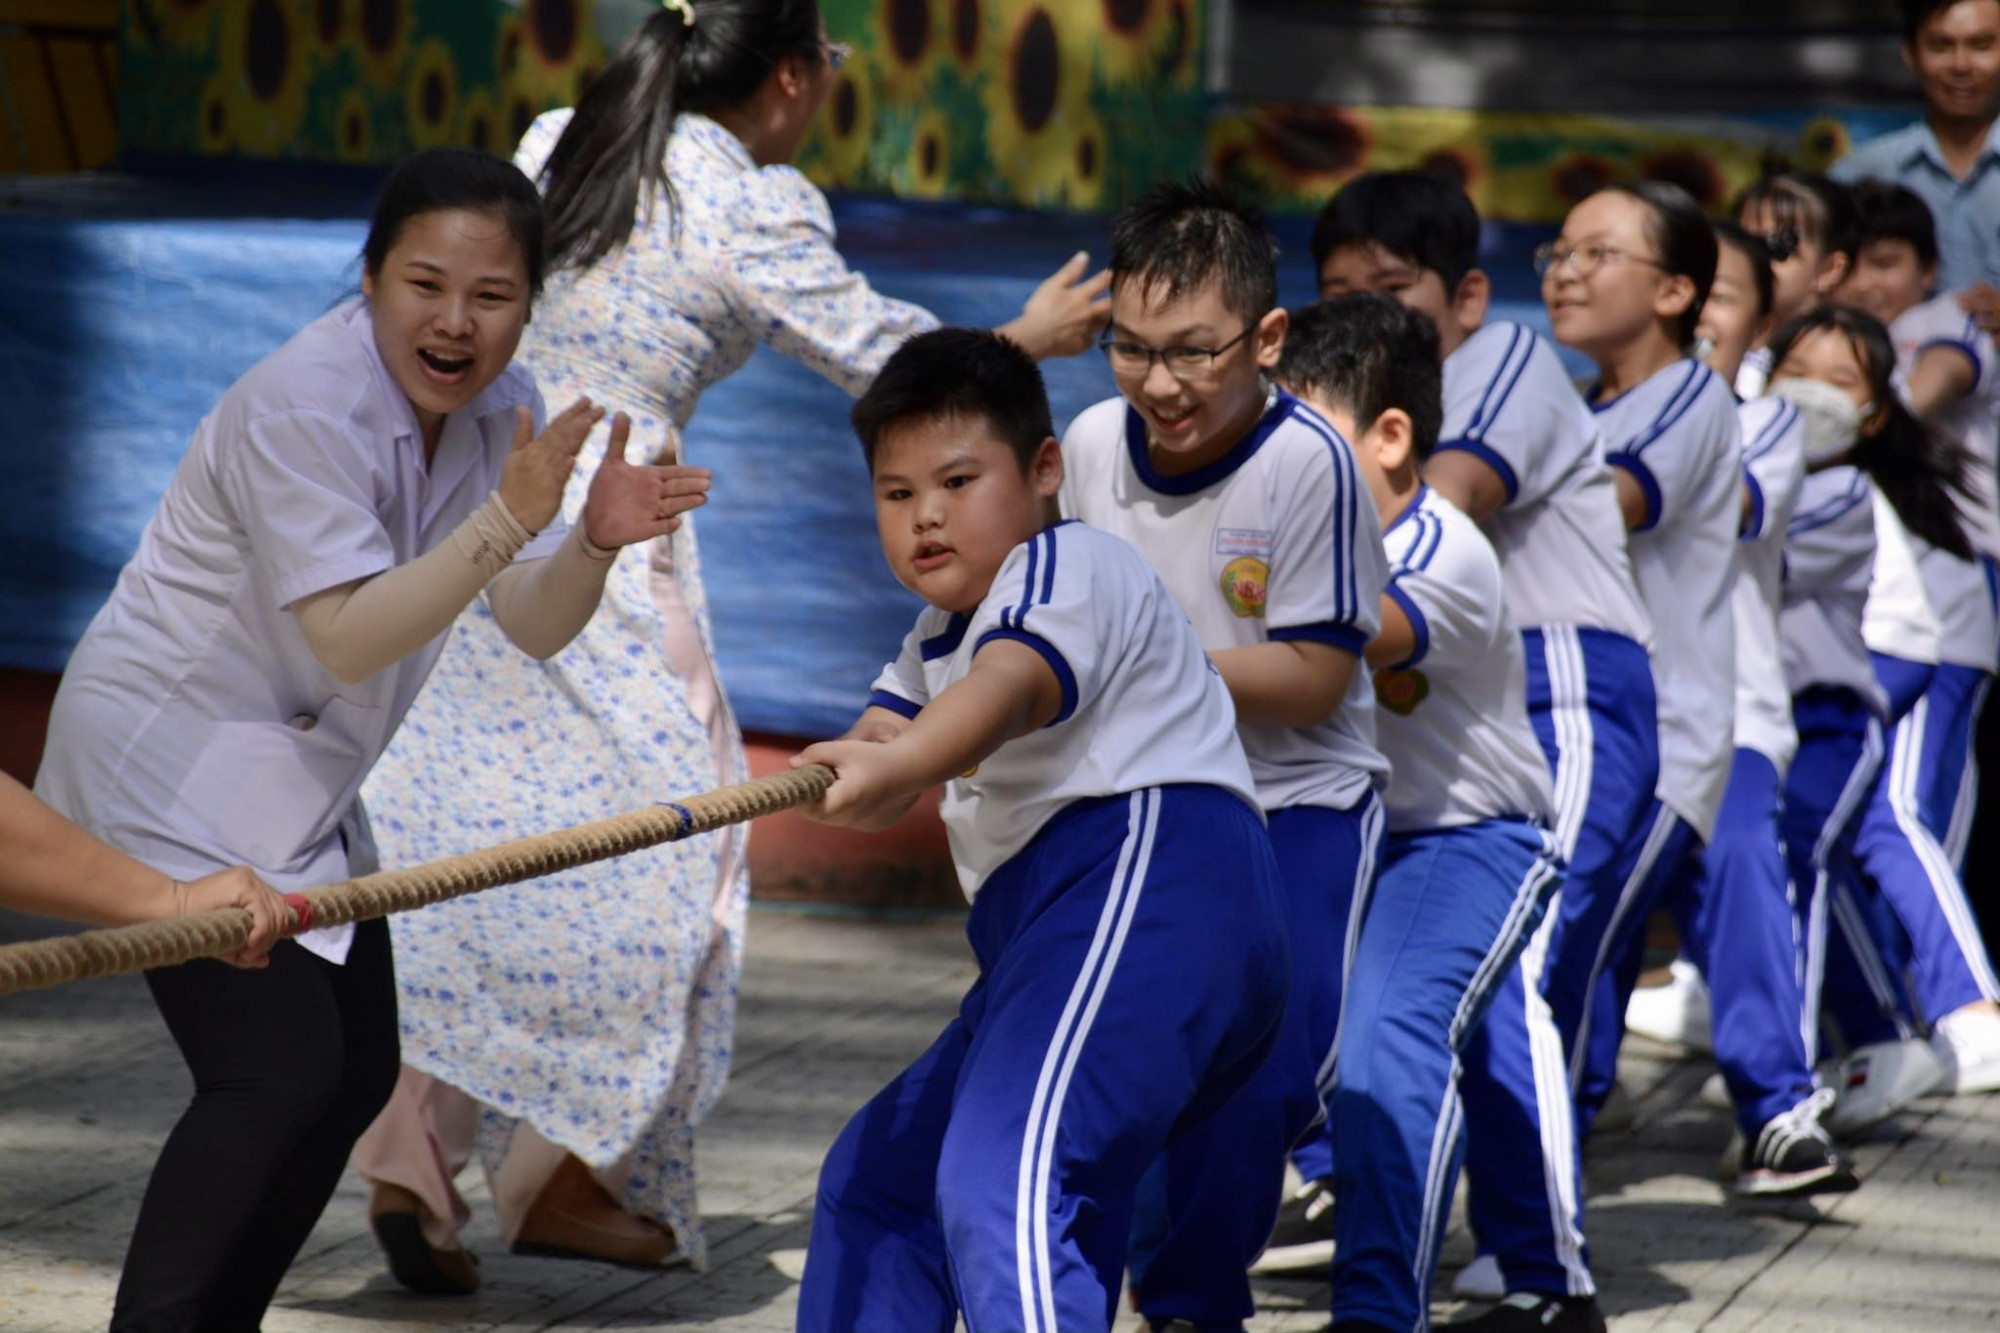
[1251, 509]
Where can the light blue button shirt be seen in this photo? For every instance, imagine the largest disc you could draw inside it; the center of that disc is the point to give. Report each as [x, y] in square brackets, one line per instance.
[1967, 211]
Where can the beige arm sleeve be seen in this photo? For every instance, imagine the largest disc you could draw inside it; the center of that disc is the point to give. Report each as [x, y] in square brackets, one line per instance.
[361, 627]
[543, 604]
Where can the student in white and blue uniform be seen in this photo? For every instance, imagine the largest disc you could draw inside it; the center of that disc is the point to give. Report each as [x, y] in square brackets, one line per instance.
[1103, 821]
[1248, 505]
[1625, 284]
[1735, 906]
[1470, 866]
[1521, 453]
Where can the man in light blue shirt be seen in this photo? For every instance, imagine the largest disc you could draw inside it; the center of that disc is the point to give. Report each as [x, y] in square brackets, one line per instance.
[1951, 157]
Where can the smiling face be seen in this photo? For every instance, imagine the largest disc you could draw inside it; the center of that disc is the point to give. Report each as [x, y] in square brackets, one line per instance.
[1613, 292]
[1956, 59]
[951, 500]
[1370, 267]
[1807, 273]
[448, 306]
[1194, 419]
[1731, 319]
[1888, 279]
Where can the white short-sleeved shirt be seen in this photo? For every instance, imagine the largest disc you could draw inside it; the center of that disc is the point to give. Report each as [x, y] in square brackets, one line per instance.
[1898, 621]
[1974, 420]
[1454, 715]
[1277, 540]
[1142, 704]
[1678, 436]
[1774, 471]
[1753, 373]
[1829, 563]
[194, 728]
[1560, 538]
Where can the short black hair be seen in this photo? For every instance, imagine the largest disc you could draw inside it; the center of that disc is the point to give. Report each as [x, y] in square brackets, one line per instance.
[1738, 238]
[1809, 206]
[966, 373]
[1916, 13]
[439, 180]
[1886, 211]
[1411, 214]
[1684, 237]
[1180, 235]
[1368, 353]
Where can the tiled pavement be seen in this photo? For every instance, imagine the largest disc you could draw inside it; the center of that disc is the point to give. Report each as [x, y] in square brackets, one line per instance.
[831, 1008]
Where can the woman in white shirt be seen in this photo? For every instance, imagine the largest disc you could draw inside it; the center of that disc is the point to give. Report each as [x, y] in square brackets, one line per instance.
[336, 511]
[596, 1009]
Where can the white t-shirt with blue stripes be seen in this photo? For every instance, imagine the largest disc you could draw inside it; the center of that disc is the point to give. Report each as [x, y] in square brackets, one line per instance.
[1829, 564]
[1561, 542]
[1774, 472]
[1453, 717]
[1276, 540]
[1678, 436]
[1142, 705]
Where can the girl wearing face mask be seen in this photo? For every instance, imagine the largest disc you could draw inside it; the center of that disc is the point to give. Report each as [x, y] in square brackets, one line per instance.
[345, 500]
[1928, 923]
[1625, 284]
[1837, 367]
[680, 240]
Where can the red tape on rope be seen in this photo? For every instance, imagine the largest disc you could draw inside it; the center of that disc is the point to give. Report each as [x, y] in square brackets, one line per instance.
[302, 908]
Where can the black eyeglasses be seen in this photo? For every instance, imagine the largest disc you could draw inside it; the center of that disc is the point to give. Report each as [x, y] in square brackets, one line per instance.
[1134, 359]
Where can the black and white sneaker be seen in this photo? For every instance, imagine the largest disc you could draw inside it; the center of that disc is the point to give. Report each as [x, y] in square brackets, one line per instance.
[1532, 1312]
[1303, 1238]
[1793, 1157]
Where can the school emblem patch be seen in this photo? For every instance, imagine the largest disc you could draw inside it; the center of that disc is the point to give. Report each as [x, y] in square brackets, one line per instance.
[1243, 581]
[1401, 691]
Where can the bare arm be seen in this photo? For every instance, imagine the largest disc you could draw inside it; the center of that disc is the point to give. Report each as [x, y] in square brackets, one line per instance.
[1468, 481]
[1941, 377]
[1009, 692]
[1397, 641]
[1286, 682]
[51, 866]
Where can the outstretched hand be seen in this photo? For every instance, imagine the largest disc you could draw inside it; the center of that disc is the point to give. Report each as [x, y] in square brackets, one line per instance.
[1982, 301]
[1066, 313]
[532, 480]
[632, 502]
[869, 791]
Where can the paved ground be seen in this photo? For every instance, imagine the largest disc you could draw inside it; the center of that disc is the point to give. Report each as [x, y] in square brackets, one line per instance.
[89, 1085]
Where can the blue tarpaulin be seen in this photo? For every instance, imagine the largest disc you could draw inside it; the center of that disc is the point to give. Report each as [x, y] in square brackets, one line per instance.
[120, 332]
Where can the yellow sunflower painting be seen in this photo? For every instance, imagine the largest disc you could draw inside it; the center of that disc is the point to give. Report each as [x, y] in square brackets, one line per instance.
[1129, 42]
[264, 70]
[479, 123]
[186, 24]
[430, 95]
[1036, 103]
[383, 30]
[327, 25]
[902, 46]
[926, 174]
[354, 127]
[844, 133]
[212, 116]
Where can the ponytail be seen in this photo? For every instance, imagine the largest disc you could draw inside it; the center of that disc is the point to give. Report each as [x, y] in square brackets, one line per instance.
[1921, 471]
[612, 156]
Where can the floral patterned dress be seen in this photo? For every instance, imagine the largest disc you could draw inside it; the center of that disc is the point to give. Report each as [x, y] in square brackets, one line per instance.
[598, 1005]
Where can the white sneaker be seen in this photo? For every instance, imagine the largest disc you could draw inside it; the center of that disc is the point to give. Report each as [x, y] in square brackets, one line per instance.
[1967, 1044]
[1675, 1014]
[1480, 1280]
[1715, 1093]
[1874, 1082]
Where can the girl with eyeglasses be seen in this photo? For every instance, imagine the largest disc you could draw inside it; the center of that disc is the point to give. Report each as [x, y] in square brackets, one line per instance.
[1625, 284]
[594, 1010]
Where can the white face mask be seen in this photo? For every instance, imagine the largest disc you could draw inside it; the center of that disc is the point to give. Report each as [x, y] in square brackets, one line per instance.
[1832, 421]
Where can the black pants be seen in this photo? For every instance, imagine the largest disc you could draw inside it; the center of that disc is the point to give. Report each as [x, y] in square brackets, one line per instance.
[290, 1065]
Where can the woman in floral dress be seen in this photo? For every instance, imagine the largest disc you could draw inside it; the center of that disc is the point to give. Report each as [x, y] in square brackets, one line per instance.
[579, 1027]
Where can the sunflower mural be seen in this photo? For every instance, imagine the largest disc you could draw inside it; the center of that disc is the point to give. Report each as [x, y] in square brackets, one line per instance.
[358, 81]
[1012, 101]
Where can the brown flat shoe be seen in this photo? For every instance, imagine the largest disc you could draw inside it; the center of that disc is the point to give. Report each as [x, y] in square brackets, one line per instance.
[573, 1218]
[397, 1220]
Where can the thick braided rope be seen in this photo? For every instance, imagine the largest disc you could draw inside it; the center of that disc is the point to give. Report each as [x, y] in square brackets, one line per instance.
[99, 953]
